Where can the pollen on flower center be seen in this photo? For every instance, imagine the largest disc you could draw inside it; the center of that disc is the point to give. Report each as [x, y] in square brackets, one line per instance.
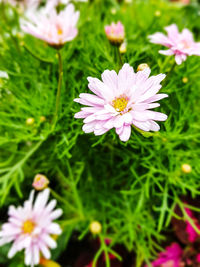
[184, 44]
[120, 103]
[59, 31]
[28, 227]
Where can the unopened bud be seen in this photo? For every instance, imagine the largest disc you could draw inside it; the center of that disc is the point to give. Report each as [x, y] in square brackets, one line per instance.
[157, 13]
[186, 168]
[30, 121]
[95, 227]
[113, 11]
[142, 66]
[42, 118]
[122, 48]
[48, 263]
[115, 33]
[185, 80]
[40, 182]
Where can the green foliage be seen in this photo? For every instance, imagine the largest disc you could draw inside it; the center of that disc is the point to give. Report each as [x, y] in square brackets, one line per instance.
[131, 188]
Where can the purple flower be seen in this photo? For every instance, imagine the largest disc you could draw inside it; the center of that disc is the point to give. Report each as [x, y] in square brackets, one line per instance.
[180, 44]
[120, 101]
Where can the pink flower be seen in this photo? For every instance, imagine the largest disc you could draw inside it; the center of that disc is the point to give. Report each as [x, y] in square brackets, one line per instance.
[192, 234]
[29, 227]
[54, 28]
[25, 4]
[186, 2]
[115, 32]
[120, 101]
[180, 44]
[171, 257]
[198, 258]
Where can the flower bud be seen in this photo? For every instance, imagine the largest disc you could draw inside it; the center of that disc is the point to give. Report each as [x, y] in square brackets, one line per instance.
[186, 168]
[48, 263]
[122, 48]
[95, 227]
[157, 13]
[30, 121]
[42, 118]
[185, 80]
[40, 182]
[115, 33]
[142, 66]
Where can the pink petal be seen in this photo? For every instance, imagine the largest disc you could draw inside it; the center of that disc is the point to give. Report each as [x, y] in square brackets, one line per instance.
[125, 134]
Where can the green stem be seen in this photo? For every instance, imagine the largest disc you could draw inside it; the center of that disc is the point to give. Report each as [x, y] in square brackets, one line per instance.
[35, 56]
[169, 73]
[118, 57]
[60, 76]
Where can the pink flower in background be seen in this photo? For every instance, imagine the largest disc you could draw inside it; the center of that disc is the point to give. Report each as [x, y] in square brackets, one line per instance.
[171, 257]
[186, 2]
[115, 32]
[25, 4]
[120, 101]
[192, 234]
[180, 44]
[29, 227]
[54, 28]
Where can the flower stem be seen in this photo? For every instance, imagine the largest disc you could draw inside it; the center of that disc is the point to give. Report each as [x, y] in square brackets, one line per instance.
[118, 57]
[60, 76]
[169, 73]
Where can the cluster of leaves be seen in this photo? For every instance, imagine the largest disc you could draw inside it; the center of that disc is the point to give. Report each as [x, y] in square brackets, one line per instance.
[131, 188]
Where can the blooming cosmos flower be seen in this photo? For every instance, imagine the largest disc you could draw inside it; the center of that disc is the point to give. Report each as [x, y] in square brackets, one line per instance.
[40, 182]
[171, 257]
[120, 101]
[115, 32]
[54, 28]
[180, 44]
[29, 227]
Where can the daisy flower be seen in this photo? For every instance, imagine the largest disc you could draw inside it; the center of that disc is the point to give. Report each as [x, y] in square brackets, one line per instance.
[180, 44]
[120, 101]
[54, 28]
[30, 228]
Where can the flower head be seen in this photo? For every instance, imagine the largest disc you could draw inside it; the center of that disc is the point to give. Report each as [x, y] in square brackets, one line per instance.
[54, 28]
[120, 101]
[29, 227]
[40, 182]
[171, 257]
[180, 44]
[115, 33]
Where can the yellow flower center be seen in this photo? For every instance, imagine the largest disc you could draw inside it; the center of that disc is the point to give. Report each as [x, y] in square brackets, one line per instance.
[185, 44]
[120, 103]
[28, 227]
[59, 31]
